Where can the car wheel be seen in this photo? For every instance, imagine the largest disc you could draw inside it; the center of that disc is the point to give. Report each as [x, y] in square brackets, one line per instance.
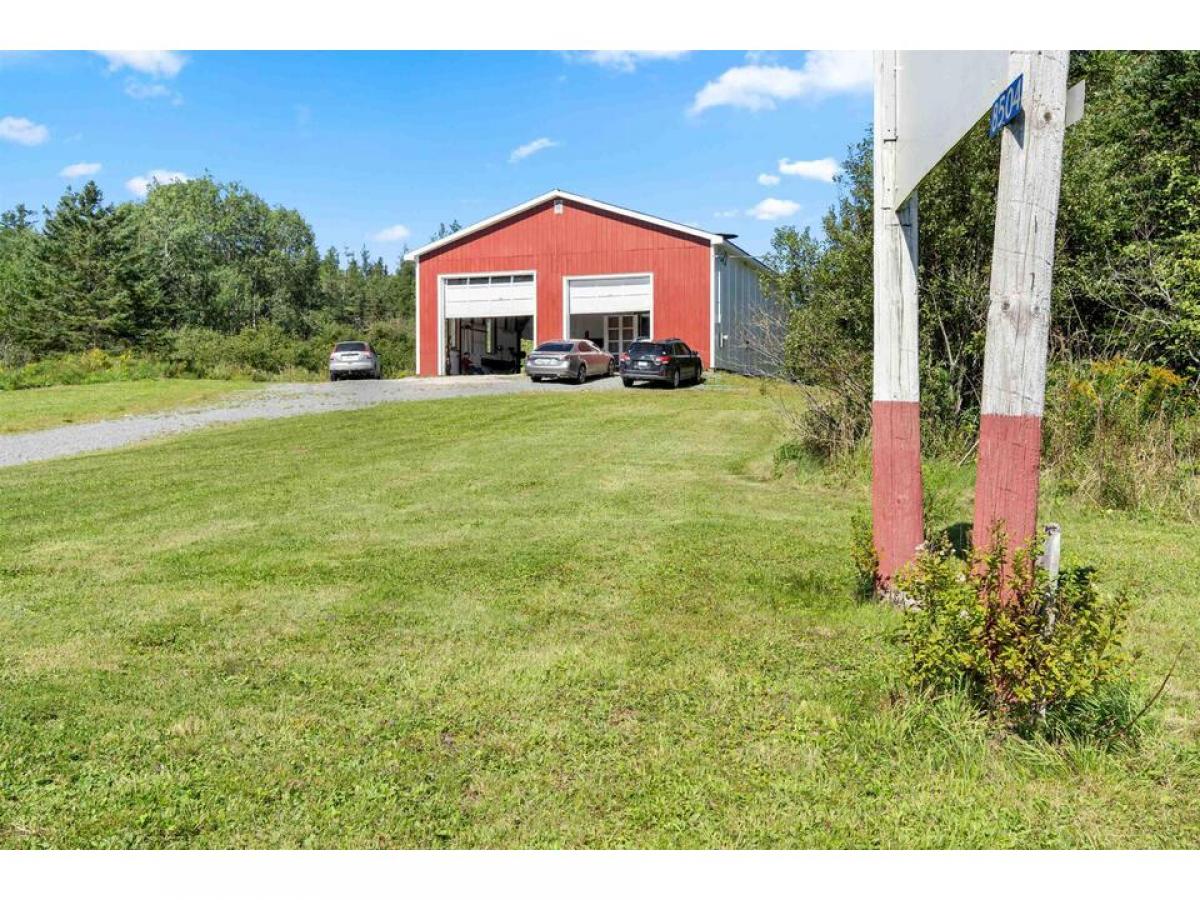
[333, 376]
[581, 375]
[628, 382]
[536, 379]
[675, 379]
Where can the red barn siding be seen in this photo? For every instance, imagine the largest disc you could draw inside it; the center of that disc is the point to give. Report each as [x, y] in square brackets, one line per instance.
[580, 241]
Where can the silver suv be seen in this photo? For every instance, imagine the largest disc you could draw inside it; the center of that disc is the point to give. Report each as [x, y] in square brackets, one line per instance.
[354, 359]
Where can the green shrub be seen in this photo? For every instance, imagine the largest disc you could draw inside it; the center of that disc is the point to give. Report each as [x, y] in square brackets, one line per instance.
[863, 556]
[1123, 435]
[1034, 656]
[393, 341]
[262, 353]
[89, 367]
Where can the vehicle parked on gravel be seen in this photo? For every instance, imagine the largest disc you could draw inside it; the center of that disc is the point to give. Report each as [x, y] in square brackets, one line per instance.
[354, 359]
[573, 360]
[669, 360]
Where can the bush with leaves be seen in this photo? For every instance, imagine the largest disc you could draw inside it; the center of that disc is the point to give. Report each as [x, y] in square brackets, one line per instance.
[1035, 656]
[1124, 435]
[89, 367]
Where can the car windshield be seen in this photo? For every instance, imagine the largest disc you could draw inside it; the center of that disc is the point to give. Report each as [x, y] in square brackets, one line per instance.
[349, 347]
[556, 347]
[642, 348]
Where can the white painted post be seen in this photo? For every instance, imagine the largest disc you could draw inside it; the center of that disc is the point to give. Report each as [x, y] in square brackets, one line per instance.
[896, 498]
[1014, 369]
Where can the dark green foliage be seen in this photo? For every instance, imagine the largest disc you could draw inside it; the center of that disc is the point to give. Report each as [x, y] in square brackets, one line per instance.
[204, 275]
[1035, 656]
[444, 230]
[90, 283]
[225, 258]
[18, 265]
[268, 351]
[1129, 231]
[1126, 282]
[1127, 267]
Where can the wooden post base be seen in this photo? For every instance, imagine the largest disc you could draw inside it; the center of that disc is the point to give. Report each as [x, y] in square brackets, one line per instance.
[1006, 482]
[897, 513]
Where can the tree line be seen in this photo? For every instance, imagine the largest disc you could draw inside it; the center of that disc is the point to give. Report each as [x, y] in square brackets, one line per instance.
[1122, 422]
[1127, 259]
[200, 254]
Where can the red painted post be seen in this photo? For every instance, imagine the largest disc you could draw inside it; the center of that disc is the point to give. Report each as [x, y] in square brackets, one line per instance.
[1014, 371]
[896, 493]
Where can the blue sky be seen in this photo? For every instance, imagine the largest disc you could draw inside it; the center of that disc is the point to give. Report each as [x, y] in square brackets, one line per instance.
[372, 147]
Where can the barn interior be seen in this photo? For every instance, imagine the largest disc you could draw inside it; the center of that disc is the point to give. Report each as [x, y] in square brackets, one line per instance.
[487, 345]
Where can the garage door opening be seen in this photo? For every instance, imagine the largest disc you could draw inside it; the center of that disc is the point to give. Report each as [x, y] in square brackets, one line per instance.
[610, 310]
[486, 320]
[492, 346]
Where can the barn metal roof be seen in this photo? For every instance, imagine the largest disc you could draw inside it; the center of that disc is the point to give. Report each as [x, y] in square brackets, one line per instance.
[556, 194]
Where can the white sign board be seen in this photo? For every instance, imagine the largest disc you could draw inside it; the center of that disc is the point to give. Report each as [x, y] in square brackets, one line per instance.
[940, 94]
[1075, 98]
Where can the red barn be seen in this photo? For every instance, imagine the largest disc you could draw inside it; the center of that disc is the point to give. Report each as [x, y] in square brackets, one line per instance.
[565, 266]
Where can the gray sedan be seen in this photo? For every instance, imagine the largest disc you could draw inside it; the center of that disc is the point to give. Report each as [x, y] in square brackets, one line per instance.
[573, 360]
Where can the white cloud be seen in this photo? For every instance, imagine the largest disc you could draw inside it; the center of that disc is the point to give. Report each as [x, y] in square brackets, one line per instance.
[141, 90]
[391, 233]
[139, 185]
[768, 180]
[760, 57]
[79, 169]
[19, 130]
[155, 63]
[758, 87]
[816, 169]
[526, 150]
[770, 209]
[624, 60]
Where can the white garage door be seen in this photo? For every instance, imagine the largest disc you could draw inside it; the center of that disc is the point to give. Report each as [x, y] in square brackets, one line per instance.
[485, 296]
[615, 294]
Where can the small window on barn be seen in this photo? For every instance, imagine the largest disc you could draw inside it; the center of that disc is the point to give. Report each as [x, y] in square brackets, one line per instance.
[483, 280]
[522, 279]
[558, 207]
[456, 281]
[501, 279]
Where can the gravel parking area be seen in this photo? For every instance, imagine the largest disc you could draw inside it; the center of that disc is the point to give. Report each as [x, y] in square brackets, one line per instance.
[273, 402]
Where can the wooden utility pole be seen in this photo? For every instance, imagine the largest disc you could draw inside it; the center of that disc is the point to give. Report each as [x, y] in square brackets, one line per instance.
[1018, 329]
[896, 498]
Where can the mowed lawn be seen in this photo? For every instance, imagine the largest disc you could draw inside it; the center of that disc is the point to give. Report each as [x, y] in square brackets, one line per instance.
[50, 407]
[553, 620]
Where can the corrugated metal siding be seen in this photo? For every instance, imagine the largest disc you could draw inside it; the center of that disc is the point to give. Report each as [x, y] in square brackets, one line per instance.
[750, 325]
[579, 241]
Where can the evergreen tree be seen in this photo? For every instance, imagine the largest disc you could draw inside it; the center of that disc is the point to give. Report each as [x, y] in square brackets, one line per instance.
[92, 284]
[19, 320]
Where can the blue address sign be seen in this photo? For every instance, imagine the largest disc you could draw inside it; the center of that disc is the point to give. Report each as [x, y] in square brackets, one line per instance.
[1007, 107]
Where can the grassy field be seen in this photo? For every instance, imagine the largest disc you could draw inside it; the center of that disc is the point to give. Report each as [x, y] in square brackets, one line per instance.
[29, 410]
[551, 620]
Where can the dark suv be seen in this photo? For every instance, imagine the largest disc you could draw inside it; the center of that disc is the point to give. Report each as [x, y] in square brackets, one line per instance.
[669, 360]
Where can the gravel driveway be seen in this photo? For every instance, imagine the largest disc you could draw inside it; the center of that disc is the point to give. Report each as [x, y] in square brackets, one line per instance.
[274, 402]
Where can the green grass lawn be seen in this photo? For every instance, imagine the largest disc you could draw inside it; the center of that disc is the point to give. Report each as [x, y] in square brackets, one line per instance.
[553, 620]
[49, 407]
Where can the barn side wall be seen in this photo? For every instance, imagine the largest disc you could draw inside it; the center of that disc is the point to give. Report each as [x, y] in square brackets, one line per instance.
[750, 325]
